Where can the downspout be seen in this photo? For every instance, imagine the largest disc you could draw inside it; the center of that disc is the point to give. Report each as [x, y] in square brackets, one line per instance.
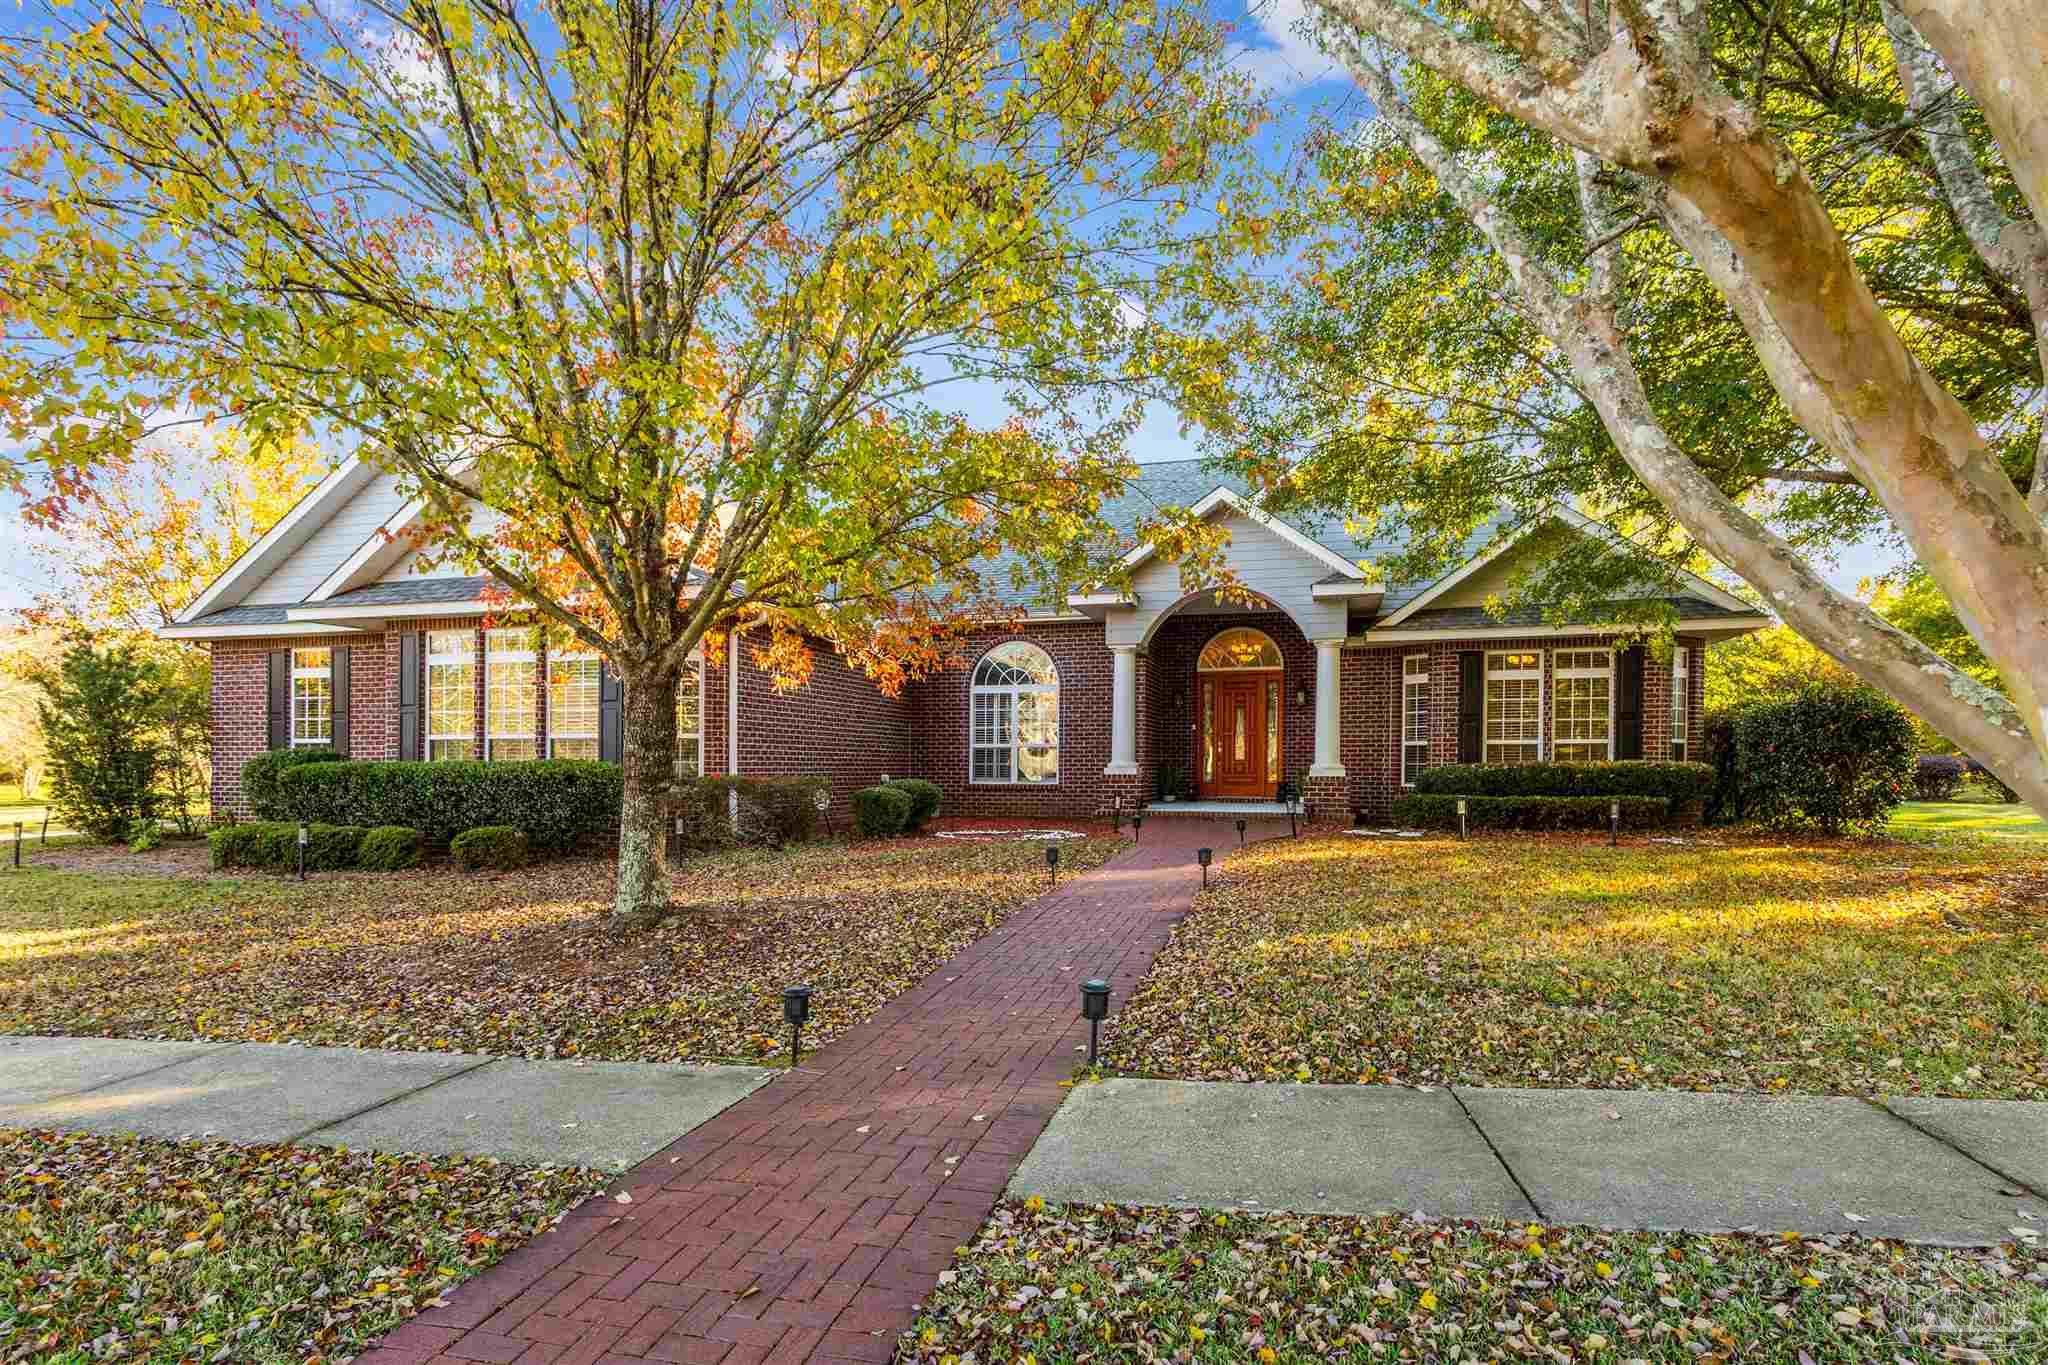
[732, 725]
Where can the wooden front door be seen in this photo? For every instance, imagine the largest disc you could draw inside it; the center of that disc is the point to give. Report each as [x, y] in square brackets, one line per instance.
[1240, 739]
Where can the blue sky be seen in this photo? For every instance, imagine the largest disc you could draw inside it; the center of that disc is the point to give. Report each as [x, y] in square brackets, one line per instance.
[1301, 82]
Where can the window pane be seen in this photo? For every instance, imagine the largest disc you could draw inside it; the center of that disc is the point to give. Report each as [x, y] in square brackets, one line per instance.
[573, 702]
[509, 708]
[1272, 731]
[450, 749]
[312, 709]
[451, 702]
[311, 658]
[1239, 647]
[513, 750]
[450, 642]
[572, 748]
[689, 756]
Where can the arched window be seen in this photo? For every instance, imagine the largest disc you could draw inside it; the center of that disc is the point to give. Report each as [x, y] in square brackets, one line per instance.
[1014, 726]
[1238, 648]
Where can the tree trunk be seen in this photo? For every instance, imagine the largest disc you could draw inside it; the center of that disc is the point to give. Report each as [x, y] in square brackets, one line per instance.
[648, 754]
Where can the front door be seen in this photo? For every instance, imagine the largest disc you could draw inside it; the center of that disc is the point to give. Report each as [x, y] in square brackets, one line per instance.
[1240, 735]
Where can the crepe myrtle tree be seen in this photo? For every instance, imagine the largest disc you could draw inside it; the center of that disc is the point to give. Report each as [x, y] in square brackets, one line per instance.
[643, 300]
[1656, 128]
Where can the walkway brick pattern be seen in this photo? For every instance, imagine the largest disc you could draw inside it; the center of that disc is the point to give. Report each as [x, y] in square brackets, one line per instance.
[808, 1220]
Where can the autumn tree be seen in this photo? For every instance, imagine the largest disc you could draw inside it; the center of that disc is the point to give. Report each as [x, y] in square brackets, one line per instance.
[1580, 146]
[647, 302]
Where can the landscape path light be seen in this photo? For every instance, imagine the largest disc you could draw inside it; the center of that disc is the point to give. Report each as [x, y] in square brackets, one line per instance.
[796, 1009]
[1461, 817]
[302, 850]
[1052, 865]
[1094, 1008]
[1240, 833]
[1137, 825]
[1203, 856]
[1614, 824]
[825, 811]
[17, 843]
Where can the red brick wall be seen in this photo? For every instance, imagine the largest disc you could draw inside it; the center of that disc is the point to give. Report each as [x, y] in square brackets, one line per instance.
[241, 708]
[938, 727]
[837, 725]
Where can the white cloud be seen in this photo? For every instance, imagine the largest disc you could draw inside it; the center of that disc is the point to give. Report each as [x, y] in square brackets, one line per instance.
[1281, 57]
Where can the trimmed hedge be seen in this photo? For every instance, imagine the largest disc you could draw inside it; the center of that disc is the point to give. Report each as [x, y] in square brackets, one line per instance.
[1938, 777]
[879, 812]
[390, 848]
[1677, 783]
[262, 776]
[499, 848]
[274, 845]
[558, 804]
[1430, 810]
[773, 811]
[925, 799]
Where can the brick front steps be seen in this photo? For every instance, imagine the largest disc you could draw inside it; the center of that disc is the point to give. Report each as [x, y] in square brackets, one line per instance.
[808, 1220]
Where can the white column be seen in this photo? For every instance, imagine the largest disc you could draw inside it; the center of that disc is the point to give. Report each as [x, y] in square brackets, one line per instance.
[1123, 712]
[1329, 685]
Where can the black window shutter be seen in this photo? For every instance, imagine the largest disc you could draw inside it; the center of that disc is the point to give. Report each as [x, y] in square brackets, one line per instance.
[611, 745]
[1471, 703]
[338, 658]
[1628, 704]
[280, 728]
[409, 694]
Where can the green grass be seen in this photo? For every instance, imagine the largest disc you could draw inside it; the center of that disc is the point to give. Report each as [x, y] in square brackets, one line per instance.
[525, 964]
[145, 1249]
[1049, 1285]
[1720, 963]
[1997, 820]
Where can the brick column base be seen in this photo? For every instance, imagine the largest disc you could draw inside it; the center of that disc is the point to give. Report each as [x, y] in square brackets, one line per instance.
[1121, 788]
[1329, 800]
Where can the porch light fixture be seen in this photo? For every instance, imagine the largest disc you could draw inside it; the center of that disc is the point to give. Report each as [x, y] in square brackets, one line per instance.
[1240, 833]
[796, 1009]
[1052, 864]
[1203, 856]
[1094, 1008]
[1300, 695]
[302, 850]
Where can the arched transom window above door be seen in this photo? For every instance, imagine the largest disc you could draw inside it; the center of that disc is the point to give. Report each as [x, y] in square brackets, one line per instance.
[1239, 648]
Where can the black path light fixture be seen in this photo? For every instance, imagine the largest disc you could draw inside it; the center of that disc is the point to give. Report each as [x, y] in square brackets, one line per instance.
[1116, 814]
[1240, 833]
[302, 850]
[1461, 817]
[17, 843]
[1052, 864]
[1137, 824]
[825, 809]
[1094, 1008]
[796, 1009]
[1290, 795]
[1614, 824]
[1204, 856]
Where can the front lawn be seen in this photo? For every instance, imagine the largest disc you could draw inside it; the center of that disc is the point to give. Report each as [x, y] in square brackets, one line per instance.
[1055, 1284]
[523, 964]
[143, 1249]
[1721, 963]
[1997, 819]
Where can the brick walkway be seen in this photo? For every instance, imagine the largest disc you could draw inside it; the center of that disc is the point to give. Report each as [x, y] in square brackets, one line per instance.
[808, 1220]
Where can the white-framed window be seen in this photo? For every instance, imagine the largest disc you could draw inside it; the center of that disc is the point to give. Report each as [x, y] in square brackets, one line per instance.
[1681, 697]
[1514, 706]
[573, 704]
[511, 702]
[312, 697]
[1414, 717]
[690, 714]
[451, 694]
[1582, 699]
[1014, 722]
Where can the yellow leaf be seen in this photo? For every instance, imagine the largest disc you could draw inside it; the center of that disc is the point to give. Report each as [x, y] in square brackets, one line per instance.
[1429, 1300]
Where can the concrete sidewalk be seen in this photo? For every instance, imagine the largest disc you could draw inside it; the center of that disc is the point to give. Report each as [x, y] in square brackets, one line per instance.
[1948, 1172]
[602, 1114]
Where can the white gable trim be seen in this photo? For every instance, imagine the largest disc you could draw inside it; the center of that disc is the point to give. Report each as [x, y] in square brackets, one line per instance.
[273, 546]
[1221, 497]
[1578, 521]
[245, 632]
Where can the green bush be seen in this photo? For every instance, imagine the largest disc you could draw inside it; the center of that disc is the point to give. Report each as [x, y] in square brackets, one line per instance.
[1678, 783]
[925, 799]
[498, 847]
[1838, 758]
[1430, 810]
[879, 812]
[390, 848]
[772, 811]
[273, 845]
[100, 715]
[262, 775]
[558, 804]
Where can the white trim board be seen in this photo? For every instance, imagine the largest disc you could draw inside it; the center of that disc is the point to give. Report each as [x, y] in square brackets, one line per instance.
[257, 632]
[1726, 624]
[275, 545]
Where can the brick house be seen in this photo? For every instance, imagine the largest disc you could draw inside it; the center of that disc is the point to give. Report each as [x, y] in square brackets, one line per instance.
[330, 631]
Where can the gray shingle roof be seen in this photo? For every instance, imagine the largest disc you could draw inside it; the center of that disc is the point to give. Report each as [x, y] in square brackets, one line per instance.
[1469, 618]
[405, 592]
